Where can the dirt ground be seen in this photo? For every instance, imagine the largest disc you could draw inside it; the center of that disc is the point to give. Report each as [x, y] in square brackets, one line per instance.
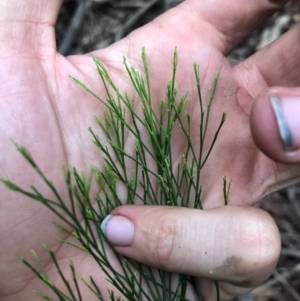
[91, 24]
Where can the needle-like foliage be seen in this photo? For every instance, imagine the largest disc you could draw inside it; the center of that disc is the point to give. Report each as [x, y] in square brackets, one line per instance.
[154, 178]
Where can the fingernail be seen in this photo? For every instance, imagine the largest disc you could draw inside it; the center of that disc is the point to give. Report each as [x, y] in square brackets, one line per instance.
[119, 230]
[287, 112]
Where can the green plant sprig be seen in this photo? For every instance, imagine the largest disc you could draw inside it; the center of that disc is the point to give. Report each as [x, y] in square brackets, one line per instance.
[164, 184]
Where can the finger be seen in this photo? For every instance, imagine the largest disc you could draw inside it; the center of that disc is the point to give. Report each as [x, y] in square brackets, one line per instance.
[235, 244]
[234, 19]
[275, 124]
[24, 24]
[278, 63]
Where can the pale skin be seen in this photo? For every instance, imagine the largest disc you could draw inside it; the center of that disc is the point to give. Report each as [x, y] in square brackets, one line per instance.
[43, 110]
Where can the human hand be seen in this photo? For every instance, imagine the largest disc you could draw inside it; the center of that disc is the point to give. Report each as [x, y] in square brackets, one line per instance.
[42, 110]
[173, 234]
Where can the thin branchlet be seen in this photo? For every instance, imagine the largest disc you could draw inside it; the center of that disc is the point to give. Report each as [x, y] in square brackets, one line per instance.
[160, 184]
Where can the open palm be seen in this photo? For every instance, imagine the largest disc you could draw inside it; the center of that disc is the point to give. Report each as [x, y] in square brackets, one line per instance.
[42, 109]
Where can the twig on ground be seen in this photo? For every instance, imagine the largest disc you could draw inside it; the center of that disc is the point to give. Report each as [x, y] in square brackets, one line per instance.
[125, 4]
[274, 281]
[74, 26]
[119, 31]
[290, 252]
[287, 286]
[166, 5]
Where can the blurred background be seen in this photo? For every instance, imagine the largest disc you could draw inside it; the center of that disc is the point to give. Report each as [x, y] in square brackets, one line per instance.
[85, 25]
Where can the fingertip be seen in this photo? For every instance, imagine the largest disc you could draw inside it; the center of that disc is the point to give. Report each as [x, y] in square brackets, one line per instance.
[119, 230]
[275, 124]
[260, 235]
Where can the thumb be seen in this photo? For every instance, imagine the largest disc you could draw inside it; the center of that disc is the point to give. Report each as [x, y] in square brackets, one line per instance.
[235, 244]
[275, 124]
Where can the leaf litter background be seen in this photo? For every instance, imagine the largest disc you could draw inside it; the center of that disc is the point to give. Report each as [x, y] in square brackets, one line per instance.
[85, 25]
